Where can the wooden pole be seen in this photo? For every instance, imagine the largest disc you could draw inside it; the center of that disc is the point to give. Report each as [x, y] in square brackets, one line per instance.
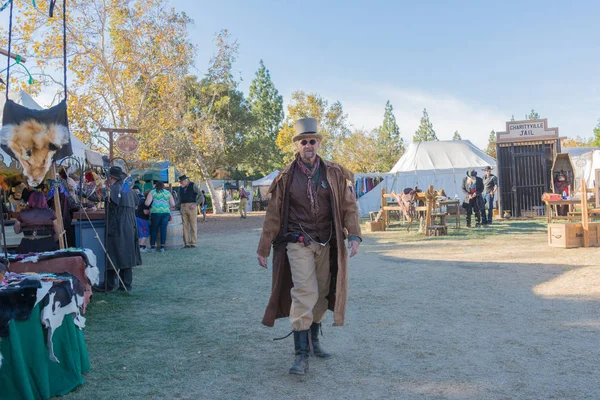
[12, 55]
[58, 210]
[429, 202]
[584, 214]
[111, 132]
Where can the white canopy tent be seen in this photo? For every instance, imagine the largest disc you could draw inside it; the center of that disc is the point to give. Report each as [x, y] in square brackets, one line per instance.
[586, 161]
[80, 150]
[264, 183]
[266, 180]
[442, 164]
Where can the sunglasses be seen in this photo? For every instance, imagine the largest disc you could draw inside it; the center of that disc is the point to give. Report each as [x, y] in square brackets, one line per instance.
[311, 141]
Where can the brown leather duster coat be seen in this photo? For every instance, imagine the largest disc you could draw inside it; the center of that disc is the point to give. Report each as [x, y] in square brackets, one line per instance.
[346, 223]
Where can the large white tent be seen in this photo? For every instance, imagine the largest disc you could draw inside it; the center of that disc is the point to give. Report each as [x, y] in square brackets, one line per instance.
[442, 164]
[586, 161]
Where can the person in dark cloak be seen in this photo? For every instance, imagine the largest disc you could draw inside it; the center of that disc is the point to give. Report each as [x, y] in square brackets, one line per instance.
[122, 239]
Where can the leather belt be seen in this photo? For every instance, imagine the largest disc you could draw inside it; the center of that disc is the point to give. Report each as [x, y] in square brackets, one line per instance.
[37, 232]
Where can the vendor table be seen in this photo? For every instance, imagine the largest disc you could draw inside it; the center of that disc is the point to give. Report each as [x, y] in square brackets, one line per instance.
[454, 204]
[27, 373]
[549, 205]
[42, 346]
[233, 205]
[73, 265]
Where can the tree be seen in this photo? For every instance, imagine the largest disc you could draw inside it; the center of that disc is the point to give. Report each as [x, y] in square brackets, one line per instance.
[533, 115]
[456, 136]
[512, 117]
[215, 118]
[390, 145]
[577, 141]
[125, 56]
[359, 149]
[596, 139]
[491, 147]
[332, 124]
[425, 132]
[266, 106]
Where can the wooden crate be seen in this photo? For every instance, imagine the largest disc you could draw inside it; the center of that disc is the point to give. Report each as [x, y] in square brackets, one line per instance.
[594, 234]
[565, 235]
[571, 235]
[372, 226]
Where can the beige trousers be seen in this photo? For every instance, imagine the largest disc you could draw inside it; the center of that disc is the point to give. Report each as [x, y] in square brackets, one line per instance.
[243, 204]
[190, 223]
[310, 275]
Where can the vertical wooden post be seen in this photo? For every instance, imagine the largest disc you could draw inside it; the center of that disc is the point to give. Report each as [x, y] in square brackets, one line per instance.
[383, 211]
[58, 210]
[429, 202]
[584, 214]
[110, 144]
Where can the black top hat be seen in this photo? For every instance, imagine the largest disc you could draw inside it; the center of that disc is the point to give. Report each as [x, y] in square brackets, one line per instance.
[471, 173]
[182, 178]
[116, 172]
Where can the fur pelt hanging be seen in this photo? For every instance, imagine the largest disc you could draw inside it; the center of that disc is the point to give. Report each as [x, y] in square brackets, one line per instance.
[35, 138]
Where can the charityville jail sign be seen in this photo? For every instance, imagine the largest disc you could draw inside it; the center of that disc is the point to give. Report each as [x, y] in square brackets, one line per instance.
[527, 130]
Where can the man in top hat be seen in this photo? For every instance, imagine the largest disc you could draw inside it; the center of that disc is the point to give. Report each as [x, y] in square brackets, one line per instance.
[189, 198]
[122, 238]
[312, 206]
[490, 186]
[473, 187]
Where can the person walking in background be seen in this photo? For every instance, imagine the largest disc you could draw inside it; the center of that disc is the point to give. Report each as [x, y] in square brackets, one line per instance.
[142, 216]
[490, 186]
[473, 188]
[161, 202]
[244, 195]
[189, 197]
[312, 206]
[202, 205]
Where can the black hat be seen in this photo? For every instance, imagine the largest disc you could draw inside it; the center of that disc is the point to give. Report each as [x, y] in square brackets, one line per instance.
[116, 172]
[182, 178]
[471, 173]
[488, 168]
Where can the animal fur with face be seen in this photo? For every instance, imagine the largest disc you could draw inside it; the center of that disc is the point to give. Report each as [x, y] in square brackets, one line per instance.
[34, 145]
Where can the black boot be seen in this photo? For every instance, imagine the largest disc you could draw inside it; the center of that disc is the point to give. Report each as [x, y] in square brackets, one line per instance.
[314, 336]
[300, 365]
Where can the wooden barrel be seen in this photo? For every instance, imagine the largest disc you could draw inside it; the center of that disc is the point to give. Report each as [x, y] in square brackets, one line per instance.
[174, 232]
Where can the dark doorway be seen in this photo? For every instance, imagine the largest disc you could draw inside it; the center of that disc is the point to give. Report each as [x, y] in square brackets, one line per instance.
[524, 174]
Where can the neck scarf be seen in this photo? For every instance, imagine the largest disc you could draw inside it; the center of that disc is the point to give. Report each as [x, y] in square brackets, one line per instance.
[312, 190]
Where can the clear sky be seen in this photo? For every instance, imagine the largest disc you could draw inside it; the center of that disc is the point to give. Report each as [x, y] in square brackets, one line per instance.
[472, 64]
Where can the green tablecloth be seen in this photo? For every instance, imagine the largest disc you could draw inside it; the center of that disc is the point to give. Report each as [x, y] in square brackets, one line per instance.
[27, 373]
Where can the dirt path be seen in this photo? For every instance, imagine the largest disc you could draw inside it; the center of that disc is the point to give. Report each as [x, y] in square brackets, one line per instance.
[492, 317]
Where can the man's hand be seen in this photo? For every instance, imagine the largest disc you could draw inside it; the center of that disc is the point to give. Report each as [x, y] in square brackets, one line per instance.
[192, 206]
[353, 247]
[262, 261]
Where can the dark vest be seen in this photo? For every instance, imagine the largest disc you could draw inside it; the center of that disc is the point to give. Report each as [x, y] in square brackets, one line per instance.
[319, 226]
[187, 194]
